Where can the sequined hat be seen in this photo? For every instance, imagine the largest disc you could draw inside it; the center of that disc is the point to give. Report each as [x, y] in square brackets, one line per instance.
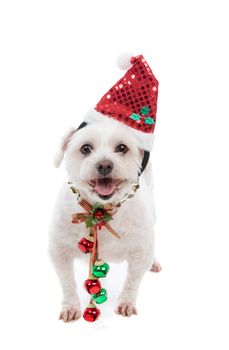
[132, 100]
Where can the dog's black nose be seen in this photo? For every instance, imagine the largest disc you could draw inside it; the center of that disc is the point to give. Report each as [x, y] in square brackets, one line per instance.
[104, 167]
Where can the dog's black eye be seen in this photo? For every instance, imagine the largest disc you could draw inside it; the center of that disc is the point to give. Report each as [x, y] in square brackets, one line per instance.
[121, 148]
[86, 149]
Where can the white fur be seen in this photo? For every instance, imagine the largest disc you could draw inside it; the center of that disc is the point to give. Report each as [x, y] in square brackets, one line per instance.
[134, 221]
[123, 60]
[59, 156]
[144, 140]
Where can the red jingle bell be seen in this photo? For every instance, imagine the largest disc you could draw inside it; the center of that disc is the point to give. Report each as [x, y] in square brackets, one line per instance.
[91, 313]
[86, 244]
[92, 286]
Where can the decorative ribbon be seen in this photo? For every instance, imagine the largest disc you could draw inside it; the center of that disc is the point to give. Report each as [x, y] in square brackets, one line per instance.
[96, 216]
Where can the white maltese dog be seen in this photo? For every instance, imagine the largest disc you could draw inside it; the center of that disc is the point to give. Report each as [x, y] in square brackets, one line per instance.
[103, 160]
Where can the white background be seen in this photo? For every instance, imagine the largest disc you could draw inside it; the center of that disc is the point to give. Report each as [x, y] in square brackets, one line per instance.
[57, 59]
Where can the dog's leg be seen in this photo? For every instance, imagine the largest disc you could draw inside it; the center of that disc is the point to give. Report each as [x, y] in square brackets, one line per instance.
[137, 266]
[156, 266]
[63, 260]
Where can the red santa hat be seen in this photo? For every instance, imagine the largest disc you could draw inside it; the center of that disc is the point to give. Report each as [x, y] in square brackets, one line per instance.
[132, 101]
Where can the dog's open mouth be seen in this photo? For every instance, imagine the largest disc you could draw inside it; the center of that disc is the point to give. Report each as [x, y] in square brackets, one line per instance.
[105, 187]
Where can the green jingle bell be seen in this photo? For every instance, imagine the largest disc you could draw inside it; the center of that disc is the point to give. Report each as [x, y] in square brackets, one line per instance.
[100, 269]
[100, 297]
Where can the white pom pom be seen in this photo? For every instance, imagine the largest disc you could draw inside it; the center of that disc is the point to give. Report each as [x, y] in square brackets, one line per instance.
[123, 60]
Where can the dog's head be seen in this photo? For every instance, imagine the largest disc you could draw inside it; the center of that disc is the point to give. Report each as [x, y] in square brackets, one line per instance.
[102, 160]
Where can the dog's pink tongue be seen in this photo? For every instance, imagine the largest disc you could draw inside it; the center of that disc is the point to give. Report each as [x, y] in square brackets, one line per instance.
[105, 186]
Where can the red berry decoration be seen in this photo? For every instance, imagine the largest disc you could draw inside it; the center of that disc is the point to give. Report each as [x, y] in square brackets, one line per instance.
[92, 286]
[91, 313]
[86, 245]
[100, 225]
[99, 215]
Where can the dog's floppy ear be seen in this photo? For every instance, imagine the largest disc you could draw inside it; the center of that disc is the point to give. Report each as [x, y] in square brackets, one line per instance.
[63, 146]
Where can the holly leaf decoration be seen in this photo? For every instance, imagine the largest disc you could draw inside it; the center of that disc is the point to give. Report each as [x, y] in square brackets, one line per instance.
[135, 116]
[91, 221]
[145, 110]
[107, 217]
[149, 121]
[96, 207]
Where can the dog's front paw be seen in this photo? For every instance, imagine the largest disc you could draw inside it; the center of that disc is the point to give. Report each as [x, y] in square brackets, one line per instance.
[126, 309]
[69, 314]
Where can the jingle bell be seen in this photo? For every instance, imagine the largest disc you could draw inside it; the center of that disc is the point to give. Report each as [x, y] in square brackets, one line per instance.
[100, 269]
[100, 297]
[91, 313]
[86, 244]
[92, 286]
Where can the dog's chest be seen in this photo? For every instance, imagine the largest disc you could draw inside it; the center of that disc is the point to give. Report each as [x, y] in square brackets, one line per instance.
[133, 222]
[128, 224]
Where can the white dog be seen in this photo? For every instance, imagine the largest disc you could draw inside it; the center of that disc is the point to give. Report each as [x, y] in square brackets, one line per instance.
[103, 161]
